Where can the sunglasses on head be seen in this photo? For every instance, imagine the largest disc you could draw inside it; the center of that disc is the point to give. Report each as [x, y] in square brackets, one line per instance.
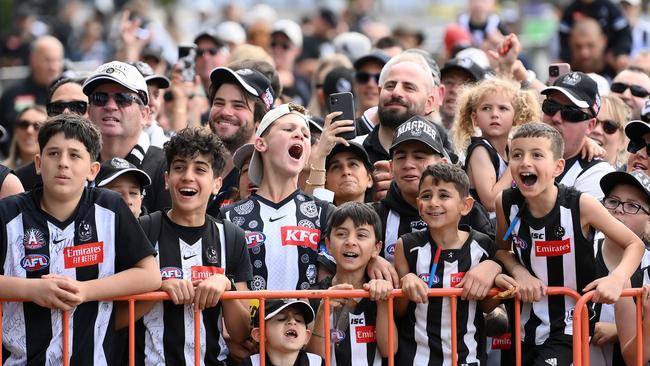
[23, 125]
[122, 99]
[634, 146]
[364, 77]
[636, 90]
[76, 106]
[609, 127]
[202, 51]
[284, 45]
[567, 112]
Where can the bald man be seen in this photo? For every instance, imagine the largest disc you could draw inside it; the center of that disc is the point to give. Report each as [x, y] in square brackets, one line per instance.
[46, 64]
[588, 45]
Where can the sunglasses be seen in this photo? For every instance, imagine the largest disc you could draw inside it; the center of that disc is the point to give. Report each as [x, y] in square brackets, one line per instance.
[202, 51]
[636, 90]
[634, 146]
[364, 77]
[609, 127]
[284, 45]
[568, 113]
[23, 125]
[76, 106]
[122, 100]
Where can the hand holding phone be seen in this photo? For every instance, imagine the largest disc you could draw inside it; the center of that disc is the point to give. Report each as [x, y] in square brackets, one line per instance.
[187, 62]
[556, 70]
[343, 102]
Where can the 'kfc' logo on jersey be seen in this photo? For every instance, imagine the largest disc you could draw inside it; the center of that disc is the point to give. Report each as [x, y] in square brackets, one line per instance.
[204, 272]
[552, 248]
[300, 236]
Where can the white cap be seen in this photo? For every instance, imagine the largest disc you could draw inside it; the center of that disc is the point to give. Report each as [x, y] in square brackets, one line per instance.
[255, 167]
[631, 2]
[476, 55]
[352, 44]
[291, 29]
[121, 73]
[232, 32]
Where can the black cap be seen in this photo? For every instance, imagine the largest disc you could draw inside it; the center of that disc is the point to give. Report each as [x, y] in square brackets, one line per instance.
[354, 148]
[212, 35]
[636, 178]
[338, 80]
[467, 65]
[275, 306]
[378, 57]
[252, 81]
[418, 128]
[149, 76]
[241, 154]
[580, 88]
[154, 52]
[112, 169]
[634, 130]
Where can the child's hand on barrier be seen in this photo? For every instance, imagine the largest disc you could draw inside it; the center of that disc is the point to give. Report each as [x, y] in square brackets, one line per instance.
[208, 292]
[506, 283]
[180, 291]
[55, 292]
[380, 268]
[379, 289]
[336, 303]
[414, 288]
[604, 333]
[608, 289]
[478, 281]
[531, 288]
[646, 299]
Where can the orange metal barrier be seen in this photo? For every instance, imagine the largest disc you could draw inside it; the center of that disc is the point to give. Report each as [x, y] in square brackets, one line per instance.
[581, 337]
[326, 295]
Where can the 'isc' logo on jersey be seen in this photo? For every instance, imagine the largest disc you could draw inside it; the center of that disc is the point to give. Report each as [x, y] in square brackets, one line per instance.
[171, 272]
[35, 262]
[300, 236]
[254, 239]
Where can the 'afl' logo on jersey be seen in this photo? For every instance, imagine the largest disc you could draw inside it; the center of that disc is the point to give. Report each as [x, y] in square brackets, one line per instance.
[254, 239]
[33, 239]
[519, 242]
[390, 250]
[171, 272]
[425, 277]
[35, 262]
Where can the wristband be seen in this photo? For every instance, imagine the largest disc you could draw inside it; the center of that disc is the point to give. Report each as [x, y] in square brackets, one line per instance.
[311, 166]
[314, 184]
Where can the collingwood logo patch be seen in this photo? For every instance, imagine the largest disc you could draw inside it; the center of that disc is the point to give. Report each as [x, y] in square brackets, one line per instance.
[572, 79]
[85, 231]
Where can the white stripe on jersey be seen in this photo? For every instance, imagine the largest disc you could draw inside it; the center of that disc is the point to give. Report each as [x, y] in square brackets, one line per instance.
[154, 322]
[14, 335]
[222, 342]
[358, 351]
[191, 256]
[445, 313]
[392, 233]
[279, 258]
[477, 253]
[540, 307]
[569, 266]
[422, 352]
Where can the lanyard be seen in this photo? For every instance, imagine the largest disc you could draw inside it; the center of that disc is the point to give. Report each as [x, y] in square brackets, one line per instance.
[432, 274]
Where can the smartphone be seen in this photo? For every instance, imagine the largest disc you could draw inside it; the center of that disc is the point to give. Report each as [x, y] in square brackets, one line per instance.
[187, 61]
[557, 70]
[343, 102]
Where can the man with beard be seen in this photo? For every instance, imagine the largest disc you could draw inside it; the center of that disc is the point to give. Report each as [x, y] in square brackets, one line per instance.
[239, 101]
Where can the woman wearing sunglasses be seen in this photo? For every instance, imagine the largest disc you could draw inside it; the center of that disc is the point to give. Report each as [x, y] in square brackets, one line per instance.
[24, 145]
[609, 130]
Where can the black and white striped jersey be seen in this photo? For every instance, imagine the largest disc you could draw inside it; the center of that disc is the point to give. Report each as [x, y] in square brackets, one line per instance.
[165, 335]
[584, 175]
[425, 330]
[100, 239]
[553, 249]
[283, 238]
[303, 359]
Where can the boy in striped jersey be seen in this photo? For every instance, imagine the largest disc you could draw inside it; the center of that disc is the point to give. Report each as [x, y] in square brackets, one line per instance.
[550, 228]
[64, 246]
[438, 257]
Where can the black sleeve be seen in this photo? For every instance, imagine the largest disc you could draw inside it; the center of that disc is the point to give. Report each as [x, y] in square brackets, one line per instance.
[246, 362]
[620, 39]
[566, 23]
[238, 263]
[131, 244]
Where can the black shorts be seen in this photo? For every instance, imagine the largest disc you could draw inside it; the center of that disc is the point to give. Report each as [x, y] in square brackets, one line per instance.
[556, 351]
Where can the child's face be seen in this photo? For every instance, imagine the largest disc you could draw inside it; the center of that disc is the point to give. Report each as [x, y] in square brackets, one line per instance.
[246, 187]
[440, 205]
[129, 187]
[494, 115]
[287, 145]
[625, 193]
[410, 158]
[65, 166]
[190, 181]
[532, 164]
[287, 331]
[352, 246]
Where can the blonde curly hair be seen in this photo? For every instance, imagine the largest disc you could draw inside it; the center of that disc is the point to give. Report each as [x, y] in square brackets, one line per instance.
[524, 102]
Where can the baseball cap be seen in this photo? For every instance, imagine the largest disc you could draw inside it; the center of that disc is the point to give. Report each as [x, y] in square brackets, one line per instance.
[255, 168]
[274, 307]
[241, 154]
[252, 81]
[379, 57]
[631, 2]
[121, 73]
[210, 34]
[116, 167]
[232, 32]
[352, 44]
[636, 178]
[464, 64]
[455, 37]
[290, 29]
[354, 148]
[418, 128]
[634, 130]
[149, 76]
[338, 80]
[579, 88]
